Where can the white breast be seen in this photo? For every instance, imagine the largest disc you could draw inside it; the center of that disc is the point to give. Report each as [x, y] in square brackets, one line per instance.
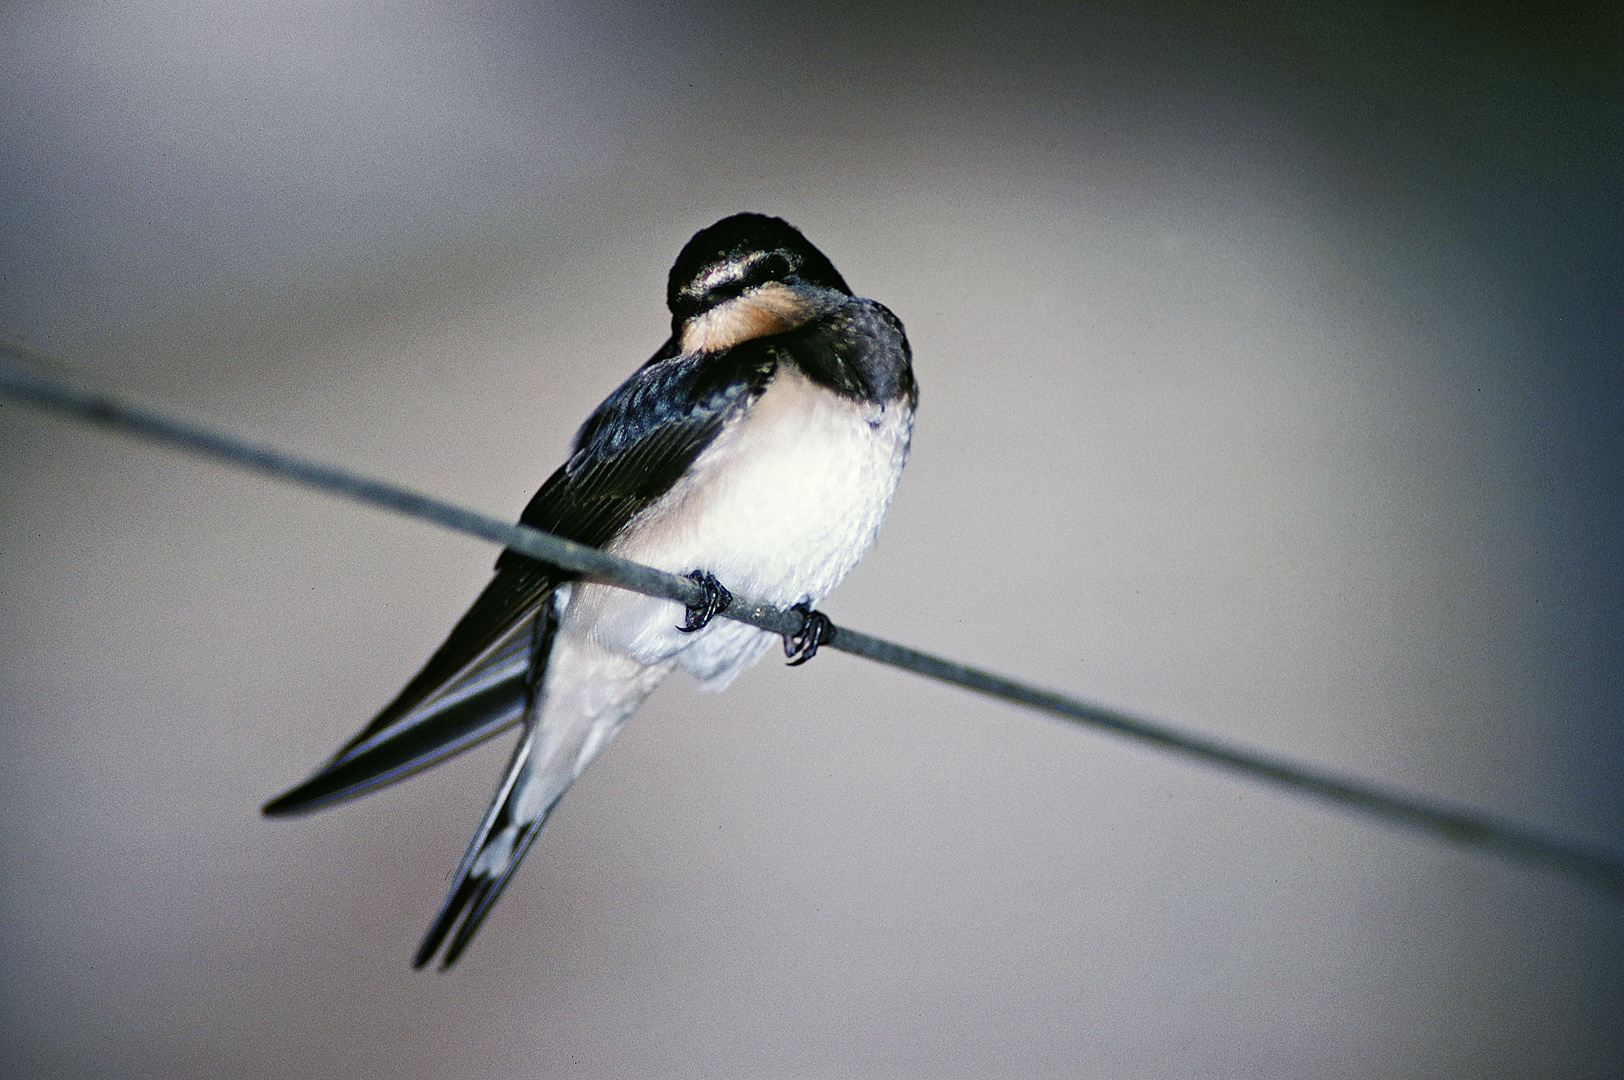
[780, 506]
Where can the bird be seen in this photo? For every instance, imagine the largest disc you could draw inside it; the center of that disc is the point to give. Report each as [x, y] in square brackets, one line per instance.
[757, 450]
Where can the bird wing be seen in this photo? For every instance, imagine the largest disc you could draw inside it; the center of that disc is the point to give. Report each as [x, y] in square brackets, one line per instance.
[631, 450]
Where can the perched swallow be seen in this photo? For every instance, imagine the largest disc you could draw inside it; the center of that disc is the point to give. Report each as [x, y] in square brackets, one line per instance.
[758, 449]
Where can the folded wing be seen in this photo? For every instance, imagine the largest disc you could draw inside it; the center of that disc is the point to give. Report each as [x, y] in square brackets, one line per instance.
[628, 454]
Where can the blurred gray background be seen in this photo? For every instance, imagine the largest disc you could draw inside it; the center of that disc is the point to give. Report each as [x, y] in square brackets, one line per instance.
[1271, 386]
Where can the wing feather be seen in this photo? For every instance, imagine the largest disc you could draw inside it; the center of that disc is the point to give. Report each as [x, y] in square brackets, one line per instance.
[631, 450]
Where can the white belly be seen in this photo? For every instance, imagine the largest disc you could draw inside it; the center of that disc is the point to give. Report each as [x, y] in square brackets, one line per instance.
[780, 506]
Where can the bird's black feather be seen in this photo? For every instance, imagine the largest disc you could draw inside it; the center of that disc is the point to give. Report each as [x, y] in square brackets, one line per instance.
[629, 452]
[637, 443]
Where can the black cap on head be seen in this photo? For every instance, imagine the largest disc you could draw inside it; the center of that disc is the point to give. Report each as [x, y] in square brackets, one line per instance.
[764, 248]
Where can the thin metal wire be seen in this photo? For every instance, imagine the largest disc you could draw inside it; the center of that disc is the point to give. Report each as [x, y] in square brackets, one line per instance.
[1590, 865]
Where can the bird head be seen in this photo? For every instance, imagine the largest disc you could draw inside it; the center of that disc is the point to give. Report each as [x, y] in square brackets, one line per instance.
[747, 276]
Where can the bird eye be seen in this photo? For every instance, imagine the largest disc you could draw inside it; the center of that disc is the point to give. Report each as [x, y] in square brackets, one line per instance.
[775, 267]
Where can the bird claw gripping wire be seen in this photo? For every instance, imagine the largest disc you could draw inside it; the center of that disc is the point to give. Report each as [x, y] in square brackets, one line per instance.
[715, 602]
[816, 629]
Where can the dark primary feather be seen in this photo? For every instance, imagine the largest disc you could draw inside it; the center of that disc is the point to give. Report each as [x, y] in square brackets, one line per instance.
[629, 452]
[512, 592]
[424, 738]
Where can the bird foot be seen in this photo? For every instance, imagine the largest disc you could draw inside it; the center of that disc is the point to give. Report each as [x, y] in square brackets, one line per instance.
[715, 602]
[816, 629]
